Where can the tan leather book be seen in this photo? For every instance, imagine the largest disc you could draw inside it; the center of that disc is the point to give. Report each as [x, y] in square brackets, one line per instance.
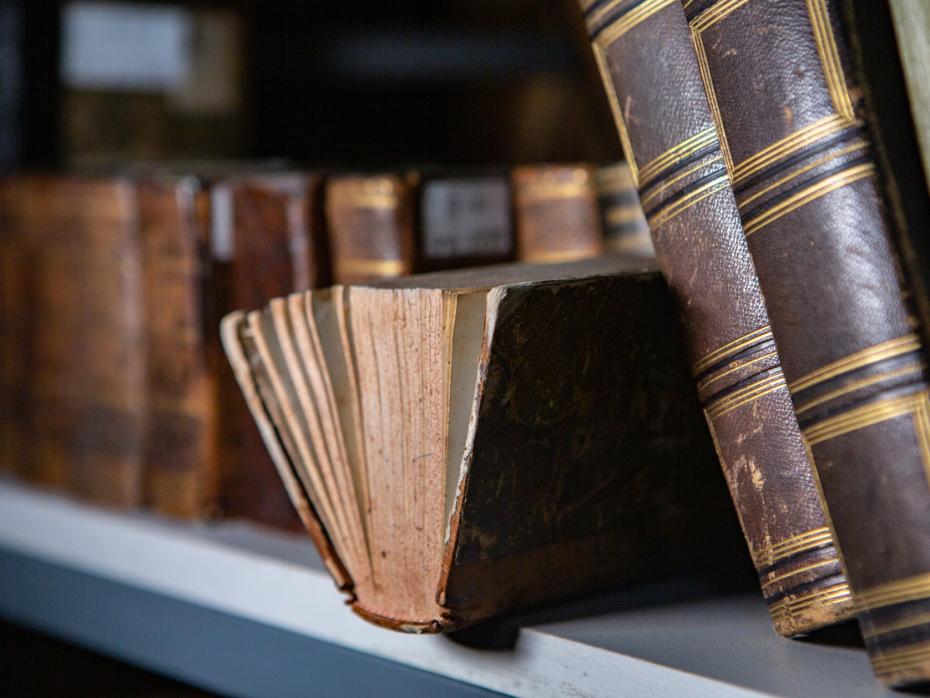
[85, 417]
[805, 181]
[701, 248]
[557, 213]
[622, 218]
[181, 462]
[267, 239]
[464, 443]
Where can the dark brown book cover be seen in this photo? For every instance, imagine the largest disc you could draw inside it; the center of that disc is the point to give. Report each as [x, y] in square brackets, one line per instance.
[654, 84]
[85, 417]
[801, 167]
[181, 467]
[557, 213]
[267, 239]
[586, 452]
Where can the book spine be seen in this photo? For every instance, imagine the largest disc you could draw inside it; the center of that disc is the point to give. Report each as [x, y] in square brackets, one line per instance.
[653, 82]
[464, 221]
[622, 218]
[180, 460]
[557, 213]
[263, 233]
[799, 158]
[86, 416]
[371, 227]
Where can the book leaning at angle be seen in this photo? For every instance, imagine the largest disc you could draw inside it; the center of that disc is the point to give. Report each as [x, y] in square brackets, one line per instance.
[463, 443]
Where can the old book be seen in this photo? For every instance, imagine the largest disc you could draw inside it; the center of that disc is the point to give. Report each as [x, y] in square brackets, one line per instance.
[387, 225]
[557, 213]
[801, 167]
[463, 219]
[181, 469]
[701, 248]
[622, 218]
[267, 239]
[85, 415]
[463, 443]
[371, 225]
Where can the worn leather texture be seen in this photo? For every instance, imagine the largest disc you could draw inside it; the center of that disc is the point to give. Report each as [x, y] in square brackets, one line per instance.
[653, 81]
[622, 219]
[799, 158]
[557, 213]
[371, 226]
[181, 465]
[83, 399]
[267, 242]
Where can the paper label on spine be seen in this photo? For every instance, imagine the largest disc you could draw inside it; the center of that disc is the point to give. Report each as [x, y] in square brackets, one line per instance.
[466, 218]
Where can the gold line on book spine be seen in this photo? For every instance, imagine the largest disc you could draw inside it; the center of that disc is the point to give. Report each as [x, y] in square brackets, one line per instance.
[761, 334]
[754, 391]
[783, 609]
[601, 59]
[858, 145]
[901, 660]
[704, 68]
[677, 152]
[738, 367]
[903, 624]
[627, 21]
[673, 210]
[806, 568]
[385, 267]
[829, 58]
[715, 13]
[664, 186]
[542, 191]
[864, 357]
[618, 215]
[807, 195]
[870, 415]
[864, 383]
[802, 542]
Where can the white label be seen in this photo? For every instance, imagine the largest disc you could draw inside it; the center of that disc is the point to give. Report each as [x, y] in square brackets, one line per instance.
[466, 218]
[119, 46]
[221, 224]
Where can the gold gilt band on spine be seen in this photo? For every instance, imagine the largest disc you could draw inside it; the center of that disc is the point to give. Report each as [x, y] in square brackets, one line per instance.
[755, 390]
[805, 568]
[800, 543]
[901, 660]
[865, 357]
[868, 415]
[807, 195]
[761, 334]
[890, 593]
[627, 21]
[377, 267]
[676, 208]
[789, 607]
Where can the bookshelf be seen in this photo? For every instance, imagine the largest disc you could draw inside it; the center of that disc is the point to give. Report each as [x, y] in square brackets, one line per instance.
[245, 611]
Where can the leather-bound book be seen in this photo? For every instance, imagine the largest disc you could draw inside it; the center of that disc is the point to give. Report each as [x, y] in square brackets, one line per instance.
[653, 82]
[371, 225]
[85, 418]
[181, 467]
[622, 219]
[557, 213]
[463, 219]
[267, 239]
[464, 443]
[799, 159]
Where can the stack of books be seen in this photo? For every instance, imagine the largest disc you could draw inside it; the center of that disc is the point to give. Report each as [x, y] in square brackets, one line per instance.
[462, 435]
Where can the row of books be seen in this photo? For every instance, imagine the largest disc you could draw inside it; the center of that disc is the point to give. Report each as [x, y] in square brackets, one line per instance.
[438, 498]
[111, 289]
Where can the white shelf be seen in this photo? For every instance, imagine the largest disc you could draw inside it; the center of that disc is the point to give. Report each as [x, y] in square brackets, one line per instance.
[627, 643]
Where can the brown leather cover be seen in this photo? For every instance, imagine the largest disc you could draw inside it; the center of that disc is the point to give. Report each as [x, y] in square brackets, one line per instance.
[557, 213]
[267, 241]
[799, 159]
[181, 468]
[84, 422]
[371, 226]
[654, 84]
[622, 219]
[588, 453]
